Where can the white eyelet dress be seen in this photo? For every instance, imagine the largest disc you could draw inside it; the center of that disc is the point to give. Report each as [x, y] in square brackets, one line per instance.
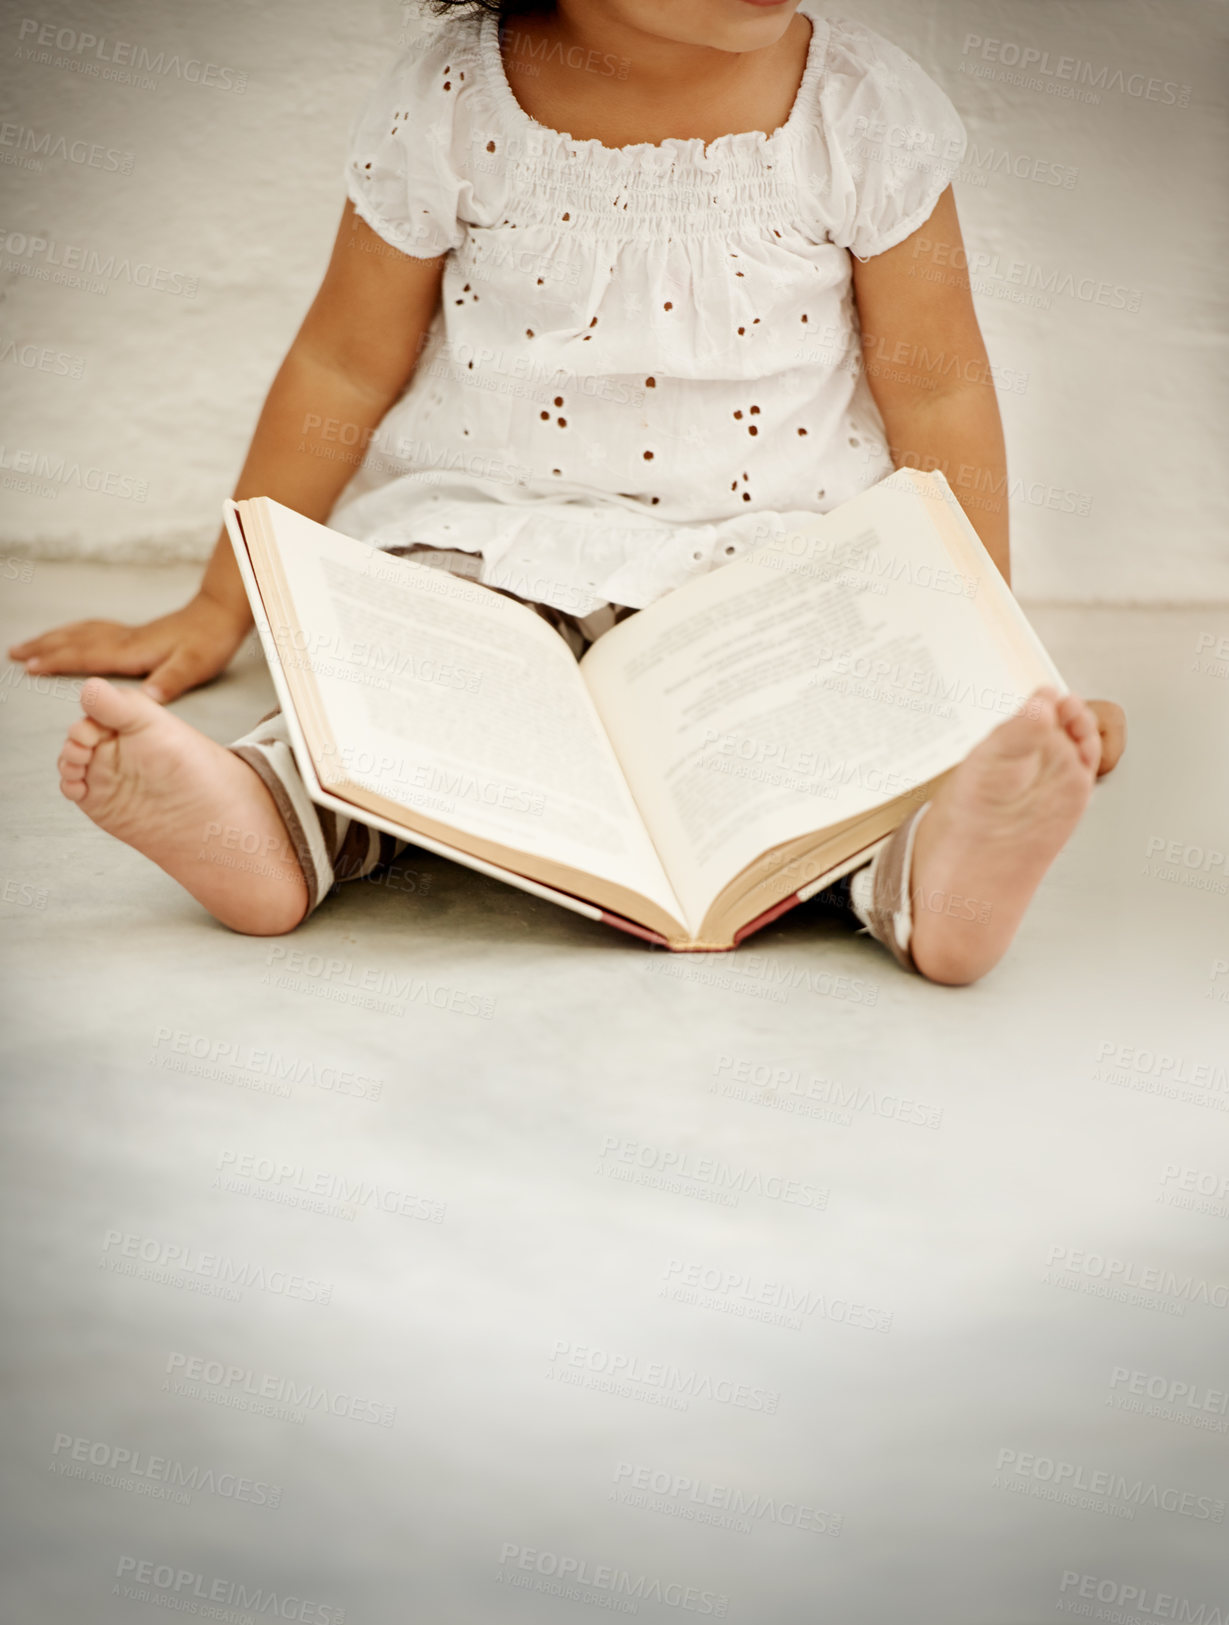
[646, 358]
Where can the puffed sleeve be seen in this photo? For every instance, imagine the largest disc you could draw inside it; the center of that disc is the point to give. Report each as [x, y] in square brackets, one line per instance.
[400, 172]
[894, 140]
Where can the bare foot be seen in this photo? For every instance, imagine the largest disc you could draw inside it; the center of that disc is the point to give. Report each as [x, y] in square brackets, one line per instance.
[993, 829]
[194, 807]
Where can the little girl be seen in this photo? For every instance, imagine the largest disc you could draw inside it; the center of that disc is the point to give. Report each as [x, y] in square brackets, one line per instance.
[606, 300]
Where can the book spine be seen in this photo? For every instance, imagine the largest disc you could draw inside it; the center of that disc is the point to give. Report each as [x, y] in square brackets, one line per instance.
[767, 917]
[620, 924]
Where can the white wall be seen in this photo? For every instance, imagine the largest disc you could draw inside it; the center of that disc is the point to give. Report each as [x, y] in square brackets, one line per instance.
[1116, 409]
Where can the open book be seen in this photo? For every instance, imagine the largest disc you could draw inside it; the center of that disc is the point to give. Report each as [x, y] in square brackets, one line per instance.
[711, 761]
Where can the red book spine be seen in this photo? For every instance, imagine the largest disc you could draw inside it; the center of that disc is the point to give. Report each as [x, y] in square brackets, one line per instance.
[620, 924]
[767, 917]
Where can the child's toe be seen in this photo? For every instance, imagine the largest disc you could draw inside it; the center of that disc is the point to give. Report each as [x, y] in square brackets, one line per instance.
[1028, 730]
[1042, 704]
[1089, 747]
[117, 710]
[1070, 709]
[1081, 726]
[85, 731]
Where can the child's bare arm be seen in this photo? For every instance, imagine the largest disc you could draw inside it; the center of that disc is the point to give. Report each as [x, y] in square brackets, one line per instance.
[927, 367]
[351, 359]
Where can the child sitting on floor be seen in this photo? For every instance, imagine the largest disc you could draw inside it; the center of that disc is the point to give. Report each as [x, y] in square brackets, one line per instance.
[622, 268]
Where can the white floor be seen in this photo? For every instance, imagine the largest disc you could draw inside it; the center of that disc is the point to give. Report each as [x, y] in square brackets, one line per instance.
[496, 1334]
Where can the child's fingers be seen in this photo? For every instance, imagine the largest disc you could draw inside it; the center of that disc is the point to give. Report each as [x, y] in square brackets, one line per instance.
[55, 651]
[1113, 743]
[1112, 725]
[185, 668]
[55, 637]
[94, 647]
[45, 640]
[32, 648]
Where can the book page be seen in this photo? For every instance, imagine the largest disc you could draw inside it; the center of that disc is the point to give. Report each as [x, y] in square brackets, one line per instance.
[823, 676]
[458, 703]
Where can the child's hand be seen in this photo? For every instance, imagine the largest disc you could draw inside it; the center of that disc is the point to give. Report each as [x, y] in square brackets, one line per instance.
[1112, 721]
[179, 650]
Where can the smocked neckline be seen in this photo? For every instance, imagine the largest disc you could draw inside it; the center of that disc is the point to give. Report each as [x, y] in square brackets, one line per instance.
[497, 79]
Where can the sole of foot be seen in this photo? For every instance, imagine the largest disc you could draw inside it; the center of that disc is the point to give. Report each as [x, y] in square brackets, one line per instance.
[993, 829]
[146, 777]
